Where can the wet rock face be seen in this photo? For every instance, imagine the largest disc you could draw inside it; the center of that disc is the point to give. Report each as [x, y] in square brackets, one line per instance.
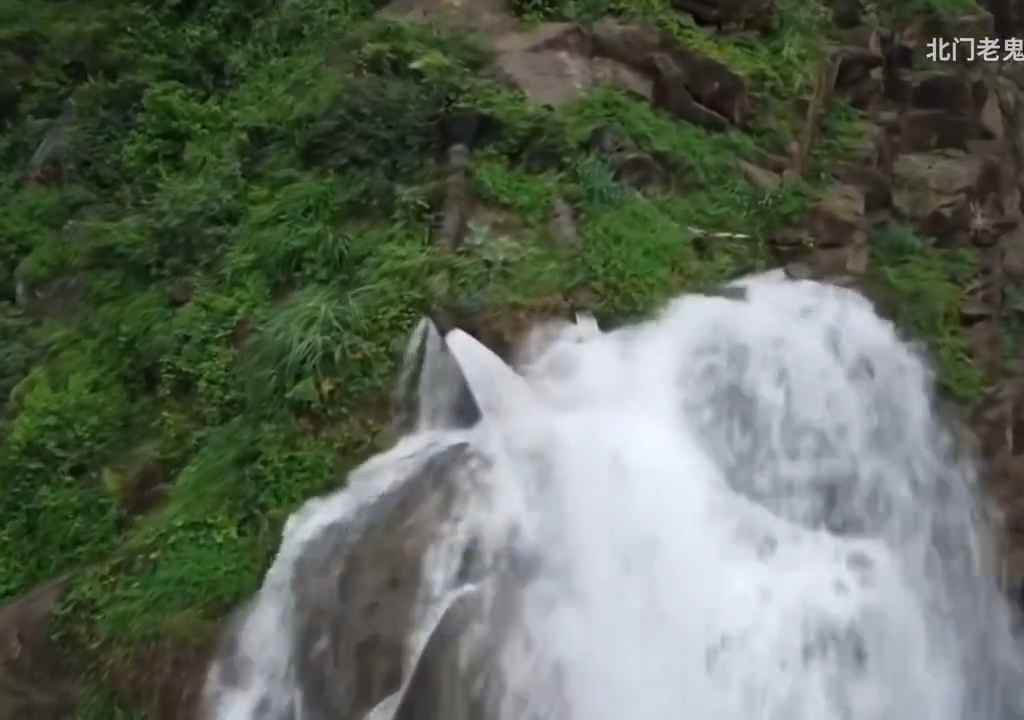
[396, 608]
[458, 674]
[437, 682]
[355, 588]
[358, 597]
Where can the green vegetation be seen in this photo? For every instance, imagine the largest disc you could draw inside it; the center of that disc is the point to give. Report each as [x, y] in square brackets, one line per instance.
[923, 288]
[778, 63]
[220, 286]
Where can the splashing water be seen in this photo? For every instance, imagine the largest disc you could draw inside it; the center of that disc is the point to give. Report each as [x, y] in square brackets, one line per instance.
[745, 508]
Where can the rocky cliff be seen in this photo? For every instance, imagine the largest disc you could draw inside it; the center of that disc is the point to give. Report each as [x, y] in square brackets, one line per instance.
[220, 218]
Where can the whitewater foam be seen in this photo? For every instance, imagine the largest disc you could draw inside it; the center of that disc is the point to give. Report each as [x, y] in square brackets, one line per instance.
[738, 510]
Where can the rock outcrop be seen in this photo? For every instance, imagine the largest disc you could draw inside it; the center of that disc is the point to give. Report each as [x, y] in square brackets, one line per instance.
[555, 63]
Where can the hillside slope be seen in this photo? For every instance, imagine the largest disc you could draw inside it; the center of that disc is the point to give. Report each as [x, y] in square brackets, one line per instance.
[219, 219]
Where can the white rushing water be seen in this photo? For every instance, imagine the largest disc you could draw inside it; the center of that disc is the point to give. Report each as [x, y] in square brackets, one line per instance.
[739, 510]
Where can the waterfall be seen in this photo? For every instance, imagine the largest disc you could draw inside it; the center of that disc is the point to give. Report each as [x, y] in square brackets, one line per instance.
[744, 508]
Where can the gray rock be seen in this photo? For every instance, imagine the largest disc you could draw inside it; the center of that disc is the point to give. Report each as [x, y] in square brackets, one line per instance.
[35, 681]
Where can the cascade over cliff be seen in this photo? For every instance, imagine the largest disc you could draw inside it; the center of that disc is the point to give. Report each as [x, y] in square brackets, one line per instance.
[221, 219]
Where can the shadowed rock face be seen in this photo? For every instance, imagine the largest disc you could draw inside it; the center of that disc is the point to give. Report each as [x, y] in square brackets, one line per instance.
[357, 586]
[458, 673]
[438, 678]
[753, 14]
[33, 681]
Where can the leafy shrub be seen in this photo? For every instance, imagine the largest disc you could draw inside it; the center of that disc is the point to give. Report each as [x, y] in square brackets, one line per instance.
[50, 498]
